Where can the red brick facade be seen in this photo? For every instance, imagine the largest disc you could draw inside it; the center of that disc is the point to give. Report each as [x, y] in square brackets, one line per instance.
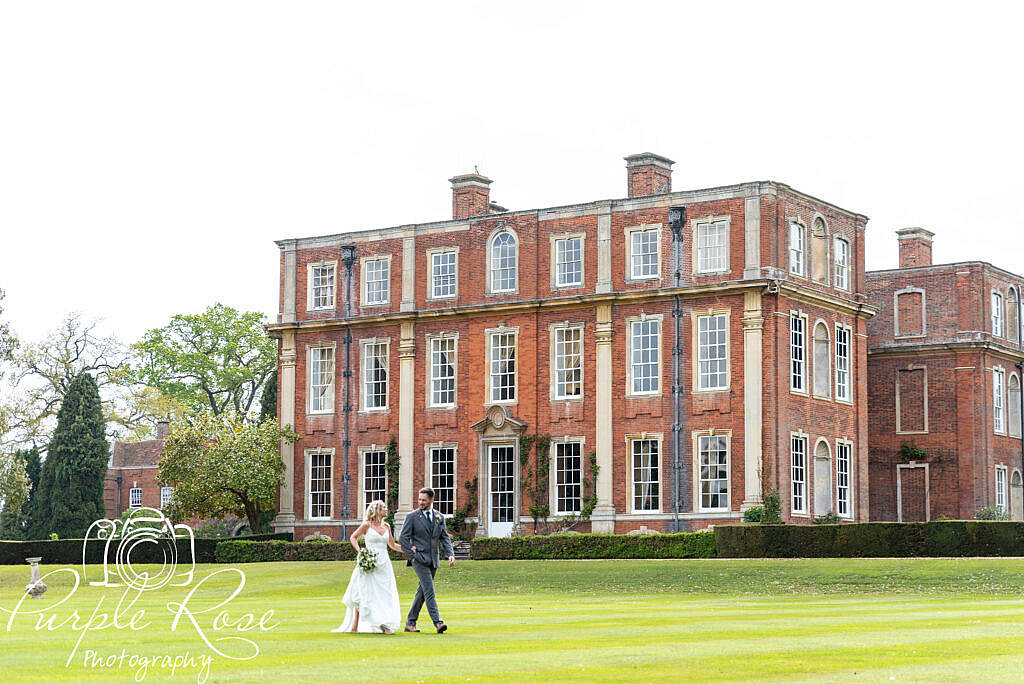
[753, 291]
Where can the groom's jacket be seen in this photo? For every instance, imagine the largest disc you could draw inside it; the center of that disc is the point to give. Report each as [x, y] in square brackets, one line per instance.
[427, 537]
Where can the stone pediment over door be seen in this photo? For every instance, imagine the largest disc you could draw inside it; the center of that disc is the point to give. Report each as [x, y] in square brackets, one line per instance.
[499, 423]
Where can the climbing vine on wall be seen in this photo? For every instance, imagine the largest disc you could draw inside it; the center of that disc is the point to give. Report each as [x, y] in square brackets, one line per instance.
[391, 464]
[535, 476]
[463, 512]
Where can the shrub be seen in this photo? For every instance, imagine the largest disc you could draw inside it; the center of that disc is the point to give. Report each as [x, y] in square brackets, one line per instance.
[570, 546]
[234, 551]
[69, 551]
[772, 508]
[991, 513]
[754, 514]
[829, 518]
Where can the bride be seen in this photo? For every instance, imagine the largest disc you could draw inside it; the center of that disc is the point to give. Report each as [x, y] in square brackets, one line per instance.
[371, 600]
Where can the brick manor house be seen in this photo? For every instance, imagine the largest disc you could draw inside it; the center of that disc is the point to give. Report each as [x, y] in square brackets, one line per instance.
[705, 345]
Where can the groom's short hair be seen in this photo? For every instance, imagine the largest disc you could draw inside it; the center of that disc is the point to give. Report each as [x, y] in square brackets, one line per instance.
[428, 491]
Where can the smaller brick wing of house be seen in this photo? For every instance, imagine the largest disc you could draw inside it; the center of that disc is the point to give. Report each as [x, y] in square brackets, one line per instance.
[131, 476]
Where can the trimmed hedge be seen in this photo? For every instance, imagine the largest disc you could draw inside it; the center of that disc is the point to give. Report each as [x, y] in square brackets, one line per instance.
[570, 546]
[69, 551]
[242, 551]
[871, 540]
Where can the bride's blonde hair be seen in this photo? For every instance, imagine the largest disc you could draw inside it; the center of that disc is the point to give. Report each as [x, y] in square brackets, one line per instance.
[376, 511]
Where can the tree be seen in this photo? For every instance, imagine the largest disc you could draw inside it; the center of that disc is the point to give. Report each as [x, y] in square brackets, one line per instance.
[70, 494]
[220, 464]
[216, 361]
[8, 342]
[15, 519]
[268, 403]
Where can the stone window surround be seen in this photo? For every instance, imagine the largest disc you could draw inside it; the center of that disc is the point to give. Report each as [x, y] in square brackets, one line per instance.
[808, 460]
[552, 364]
[1006, 419]
[554, 260]
[790, 222]
[899, 489]
[553, 474]
[363, 343]
[798, 313]
[695, 260]
[849, 364]
[1006, 487]
[309, 285]
[896, 312]
[912, 366]
[838, 237]
[430, 273]
[660, 439]
[713, 432]
[428, 472]
[502, 328]
[828, 356]
[1002, 313]
[334, 378]
[308, 503]
[695, 349]
[629, 353]
[849, 443]
[363, 450]
[429, 371]
[362, 280]
[628, 233]
[502, 227]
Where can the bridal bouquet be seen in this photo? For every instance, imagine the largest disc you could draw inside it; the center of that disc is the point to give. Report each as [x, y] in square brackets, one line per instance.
[366, 560]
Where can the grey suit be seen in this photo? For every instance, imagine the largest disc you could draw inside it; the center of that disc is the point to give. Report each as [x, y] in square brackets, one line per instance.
[428, 538]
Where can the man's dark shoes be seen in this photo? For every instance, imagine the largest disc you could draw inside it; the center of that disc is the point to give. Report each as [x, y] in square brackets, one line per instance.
[411, 628]
[441, 627]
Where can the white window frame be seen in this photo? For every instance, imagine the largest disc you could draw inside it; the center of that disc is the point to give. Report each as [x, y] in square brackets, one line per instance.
[798, 253]
[700, 437]
[135, 497]
[430, 474]
[558, 365]
[630, 475]
[364, 452]
[365, 377]
[364, 265]
[631, 271]
[556, 240]
[432, 269]
[999, 400]
[492, 268]
[328, 406]
[630, 321]
[578, 442]
[454, 337]
[309, 454]
[841, 265]
[803, 510]
[843, 363]
[844, 445]
[697, 319]
[803, 389]
[827, 375]
[166, 495]
[490, 335]
[1002, 491]
[700, 249]
[998, 329]
[311, 290]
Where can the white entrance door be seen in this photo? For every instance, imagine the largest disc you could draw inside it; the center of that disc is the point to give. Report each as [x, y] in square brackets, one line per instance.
[502, 478]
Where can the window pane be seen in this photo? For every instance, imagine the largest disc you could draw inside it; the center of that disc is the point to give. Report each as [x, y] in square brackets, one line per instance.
[798, 474]
[568, 476]
[646, 493]
[712, 252]
[796, 353]
[843, 479]
[323, 287]
[442, 371]
[320, 485]
[644, 253]
[504, 263]
[796, 248]
[374, 477]
[503, 366]
[443, 274]
[712, 352]
[842, 266]
[842, 363]
[568, 362]
[375, 375]
[321, 379]
[714, 471]
[378, 281]
[569, 262]
[442, 479]
[646, 356]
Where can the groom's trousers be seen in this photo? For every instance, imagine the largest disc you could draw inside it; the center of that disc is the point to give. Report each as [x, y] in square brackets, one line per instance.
[424, 594]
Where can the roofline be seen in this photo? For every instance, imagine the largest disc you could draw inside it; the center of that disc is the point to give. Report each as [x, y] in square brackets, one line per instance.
[954, 264]
[747, 189]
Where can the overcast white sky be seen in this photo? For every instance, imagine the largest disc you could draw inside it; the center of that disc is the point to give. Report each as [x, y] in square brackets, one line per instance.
[150, 153]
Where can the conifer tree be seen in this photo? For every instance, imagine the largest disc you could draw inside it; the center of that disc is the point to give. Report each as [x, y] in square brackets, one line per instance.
[70, 494]
[14, 524]
[268, 402]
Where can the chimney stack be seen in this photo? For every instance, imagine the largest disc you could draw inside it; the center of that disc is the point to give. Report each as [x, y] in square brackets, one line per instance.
[163, 428]
[471, 195]
[915, 247]
[648, 174]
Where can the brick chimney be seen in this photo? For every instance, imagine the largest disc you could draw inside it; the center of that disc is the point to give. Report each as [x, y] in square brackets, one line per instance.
[648, 174]
[471, 195]
[915, 247]
[163, 428]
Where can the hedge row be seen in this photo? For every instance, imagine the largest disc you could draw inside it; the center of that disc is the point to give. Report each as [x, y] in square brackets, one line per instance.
[242, 551]
[69, 551]
[871, 540]
[569, 546]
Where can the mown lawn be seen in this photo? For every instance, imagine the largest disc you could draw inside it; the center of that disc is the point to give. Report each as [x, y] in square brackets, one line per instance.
[836, 620]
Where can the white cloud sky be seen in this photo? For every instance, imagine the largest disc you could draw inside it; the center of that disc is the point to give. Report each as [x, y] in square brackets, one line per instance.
[150, 153]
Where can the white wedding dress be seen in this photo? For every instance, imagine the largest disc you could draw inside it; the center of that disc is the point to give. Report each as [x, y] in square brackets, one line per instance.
[373, 594]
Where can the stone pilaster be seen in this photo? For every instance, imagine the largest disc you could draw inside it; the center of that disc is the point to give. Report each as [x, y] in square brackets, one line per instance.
[603, 517]
[753, 325]
[752, 237]
[406, 422]
[290, 281]
[285, 519]
[604, 249]
[408, 274]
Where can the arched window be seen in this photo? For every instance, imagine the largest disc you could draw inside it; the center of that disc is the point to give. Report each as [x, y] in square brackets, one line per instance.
[1012, 316]
[819, 250]
[504, 255]
[1013, 405]
[822, 358]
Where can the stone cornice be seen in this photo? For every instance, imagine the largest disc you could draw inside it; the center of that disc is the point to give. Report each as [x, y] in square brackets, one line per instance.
[925, 348]
[985, 266]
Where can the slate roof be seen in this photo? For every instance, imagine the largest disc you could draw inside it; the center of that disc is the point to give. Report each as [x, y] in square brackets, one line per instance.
[135, 454]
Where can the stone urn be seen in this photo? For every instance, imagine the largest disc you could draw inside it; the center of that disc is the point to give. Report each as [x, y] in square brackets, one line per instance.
[36, 587]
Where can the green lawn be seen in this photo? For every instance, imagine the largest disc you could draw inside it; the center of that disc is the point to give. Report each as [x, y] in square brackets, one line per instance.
[831, 620]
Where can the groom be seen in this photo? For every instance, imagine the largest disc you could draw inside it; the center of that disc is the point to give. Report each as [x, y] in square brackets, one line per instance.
[422, 531]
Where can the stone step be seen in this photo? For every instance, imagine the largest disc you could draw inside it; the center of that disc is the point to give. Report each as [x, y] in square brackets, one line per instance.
[461, 549]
